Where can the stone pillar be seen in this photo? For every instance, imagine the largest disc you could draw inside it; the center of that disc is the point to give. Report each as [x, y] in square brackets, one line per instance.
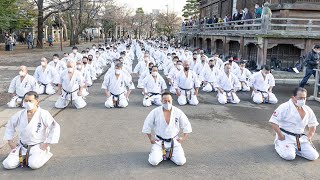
[213, 45]
[262, 52]
[226, 46]
[241, 47]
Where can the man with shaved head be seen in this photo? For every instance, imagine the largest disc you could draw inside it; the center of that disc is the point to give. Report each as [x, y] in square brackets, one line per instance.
[20, 85]
[46, 76]
[187, 86]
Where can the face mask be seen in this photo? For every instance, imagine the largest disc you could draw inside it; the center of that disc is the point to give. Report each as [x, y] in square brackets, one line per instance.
[79, 66]
[301, 103]
[179, 67]
[93, 47]
[150, 69]
[28, 105]
[194, 58]
[90, 59]
[55, 60]
[203, 61]
[70, 70]
[154, 74]
[186, 68]
[167, 106]
[43, 63]
[118, 71]
[211, 66]
[85, 63]
[228, 70]
[74, 51]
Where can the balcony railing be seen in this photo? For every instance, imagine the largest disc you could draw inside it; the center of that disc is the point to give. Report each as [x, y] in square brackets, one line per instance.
[261, 26]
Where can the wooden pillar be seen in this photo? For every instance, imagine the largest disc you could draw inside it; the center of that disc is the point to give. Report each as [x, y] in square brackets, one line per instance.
[241, 47]
[262, 52]
[225, 46]
[213, 45]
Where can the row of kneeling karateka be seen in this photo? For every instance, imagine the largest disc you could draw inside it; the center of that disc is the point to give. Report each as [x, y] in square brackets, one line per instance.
[74, 75]
[38, 131]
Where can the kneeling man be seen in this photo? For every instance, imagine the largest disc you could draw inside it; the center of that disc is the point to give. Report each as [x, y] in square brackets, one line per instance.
[36, 131]
[289, 121]
[166, 121]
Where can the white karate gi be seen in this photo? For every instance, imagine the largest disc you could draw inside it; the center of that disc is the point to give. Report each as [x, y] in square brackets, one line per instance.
[156, 121]
[262, 85]
[140, 68]
[287, 117]
[227, 84]
[173, 77]
[20, 88]
[186, 86]
[70, 89]
[153, 88]
[76, 56]
[60, 66]
[209, 77]
[199, 67]
[117, 88]
[243, 76]
[46, 78]
[41, 129]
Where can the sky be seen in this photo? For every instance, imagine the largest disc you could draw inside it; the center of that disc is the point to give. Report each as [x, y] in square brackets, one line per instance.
[148, 5]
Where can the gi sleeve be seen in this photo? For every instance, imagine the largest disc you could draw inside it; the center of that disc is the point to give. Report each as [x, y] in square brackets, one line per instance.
[34, 85]
[278, 114]
[12, 87]
[197, 82]
[11, 127]
[105, 84]
[163, 84]
[149, 123]
[129, 83]
[312, 119]
[252, 80]
[53, 129]
[185, 123]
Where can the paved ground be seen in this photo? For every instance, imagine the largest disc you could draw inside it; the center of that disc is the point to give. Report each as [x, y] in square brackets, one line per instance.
[228, 142]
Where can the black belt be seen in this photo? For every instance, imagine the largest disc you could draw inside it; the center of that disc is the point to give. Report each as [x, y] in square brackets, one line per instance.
[152, 94]
[67, 93]
[264, 92]
[28, 147]
[45, 87]
[186, 93]
[295, 135]
[164, 151]
[116, 103]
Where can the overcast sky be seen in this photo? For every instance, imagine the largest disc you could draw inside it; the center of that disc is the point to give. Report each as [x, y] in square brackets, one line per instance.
[148, 5]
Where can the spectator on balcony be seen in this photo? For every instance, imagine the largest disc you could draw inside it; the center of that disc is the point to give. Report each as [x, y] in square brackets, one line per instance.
[258, 11]
[210, 22]
[237, 16]
[247, 15]
[215, 19]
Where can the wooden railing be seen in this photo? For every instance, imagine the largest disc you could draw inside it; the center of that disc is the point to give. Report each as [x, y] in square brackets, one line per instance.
[263, 26]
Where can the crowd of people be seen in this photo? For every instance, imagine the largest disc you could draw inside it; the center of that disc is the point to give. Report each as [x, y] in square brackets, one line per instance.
[239, 15]
[160, 68]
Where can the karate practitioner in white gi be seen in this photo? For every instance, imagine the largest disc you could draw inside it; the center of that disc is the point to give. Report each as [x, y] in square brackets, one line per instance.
[117, 88]
[172, 77]
[58, 64]
[209, 77]
[166, 121]
[70, 88]
[46, 77]
[289, 121]
[187, 86]
[243, 75]
[262, 83]
[37, 130]
[20, 85]
[227, 85]
[154, 85]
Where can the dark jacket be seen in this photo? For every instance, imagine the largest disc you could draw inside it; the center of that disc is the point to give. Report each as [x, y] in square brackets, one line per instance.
[312, 60]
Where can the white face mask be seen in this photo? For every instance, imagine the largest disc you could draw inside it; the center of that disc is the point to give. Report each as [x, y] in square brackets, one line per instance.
[21, 73]
[28, 105]
[79, 66]
[43, 63]
[70, 70]
[93, 47]
[179, 67]
[118, 71]
[55, 60]
[154, 74]
[167, 106]
[301, 102]
[74, 51]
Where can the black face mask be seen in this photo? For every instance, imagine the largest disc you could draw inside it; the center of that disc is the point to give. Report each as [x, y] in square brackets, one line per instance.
[194, 58]
[186, 68]
[90, 59]
[85, 63]
[150, 69]
[211, 66]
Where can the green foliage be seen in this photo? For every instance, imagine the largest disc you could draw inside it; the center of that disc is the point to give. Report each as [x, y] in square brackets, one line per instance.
[16, 14]
[140, 11]
[191, 8]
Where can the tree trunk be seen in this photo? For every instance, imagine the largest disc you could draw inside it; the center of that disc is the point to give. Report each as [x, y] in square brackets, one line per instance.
[40, 24]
